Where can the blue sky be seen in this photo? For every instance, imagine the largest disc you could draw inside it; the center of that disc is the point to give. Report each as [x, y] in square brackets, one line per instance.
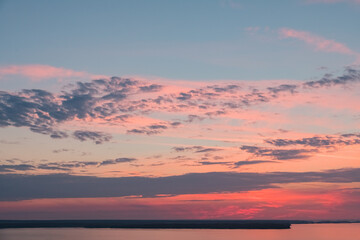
[194, 40]
[249, 109]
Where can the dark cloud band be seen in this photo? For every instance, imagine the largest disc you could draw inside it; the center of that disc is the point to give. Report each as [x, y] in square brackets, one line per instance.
[21, 187]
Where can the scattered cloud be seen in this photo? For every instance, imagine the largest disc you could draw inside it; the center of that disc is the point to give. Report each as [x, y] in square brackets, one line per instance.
[317, 141]
[154, 128]
[61, 166]
[97, 137]
[117, 160]
[350, 76]
[279, 154]
[214, 163]
[197, 149]
[61, 150]
[151, 88]
[127, 103]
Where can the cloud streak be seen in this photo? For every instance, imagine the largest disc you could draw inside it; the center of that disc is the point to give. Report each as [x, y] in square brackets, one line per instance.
[320, 43]
[39, 72]
[61, 166]
[317, 141]
[333, 1]
[279, 154]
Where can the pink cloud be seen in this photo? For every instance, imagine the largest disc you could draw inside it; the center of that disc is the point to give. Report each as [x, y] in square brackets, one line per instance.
[320, 43]
[37, 72]
[333, 1]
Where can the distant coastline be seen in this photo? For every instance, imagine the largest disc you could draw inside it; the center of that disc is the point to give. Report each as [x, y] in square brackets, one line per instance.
[164, 224]
[148, 224]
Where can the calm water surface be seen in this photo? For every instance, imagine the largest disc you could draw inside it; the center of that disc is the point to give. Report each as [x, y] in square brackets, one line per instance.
[298, 232]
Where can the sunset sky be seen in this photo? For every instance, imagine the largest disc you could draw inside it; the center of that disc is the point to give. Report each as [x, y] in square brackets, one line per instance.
[194, 109]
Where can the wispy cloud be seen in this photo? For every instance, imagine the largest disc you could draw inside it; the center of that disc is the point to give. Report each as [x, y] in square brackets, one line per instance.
[333, 1]
[318, 42]
[15, 167]
[117, 160]
[69, 166]
[319, 141]
[39, 72]
[154, 128]
[245, 163]
[197, 149]
[279, 154]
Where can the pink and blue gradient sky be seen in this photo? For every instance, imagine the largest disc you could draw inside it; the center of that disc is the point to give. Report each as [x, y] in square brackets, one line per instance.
[180, 110]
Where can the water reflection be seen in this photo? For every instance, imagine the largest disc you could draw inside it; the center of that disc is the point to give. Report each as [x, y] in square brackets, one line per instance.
[298, 232]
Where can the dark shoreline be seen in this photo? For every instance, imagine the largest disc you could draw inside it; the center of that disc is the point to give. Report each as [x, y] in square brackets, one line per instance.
[149, 224]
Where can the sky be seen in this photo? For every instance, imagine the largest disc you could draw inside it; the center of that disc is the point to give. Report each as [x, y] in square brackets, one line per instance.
[221, 109]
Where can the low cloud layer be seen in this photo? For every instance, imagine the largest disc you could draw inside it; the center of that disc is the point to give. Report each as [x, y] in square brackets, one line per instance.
[21, 187]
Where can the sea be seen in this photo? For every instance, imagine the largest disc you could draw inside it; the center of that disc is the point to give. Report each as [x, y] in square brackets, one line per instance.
[338, 231]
